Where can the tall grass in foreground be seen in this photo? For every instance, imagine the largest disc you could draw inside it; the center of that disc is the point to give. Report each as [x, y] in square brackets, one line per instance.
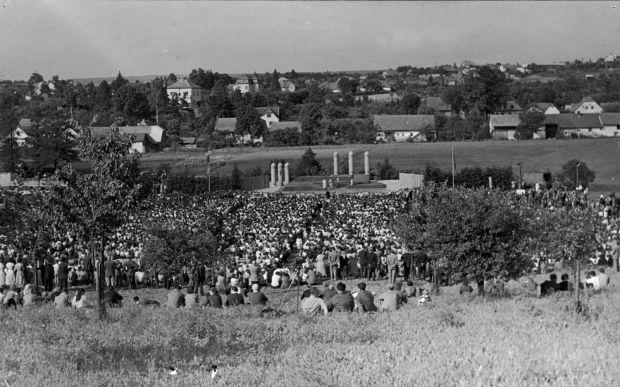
[452, 341]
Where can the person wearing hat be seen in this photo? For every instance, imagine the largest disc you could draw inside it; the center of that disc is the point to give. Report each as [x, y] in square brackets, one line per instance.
[257, 297]
[312, 304]
[391, 300]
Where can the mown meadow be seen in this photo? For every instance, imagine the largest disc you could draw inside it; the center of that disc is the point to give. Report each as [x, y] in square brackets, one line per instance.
[520, 340]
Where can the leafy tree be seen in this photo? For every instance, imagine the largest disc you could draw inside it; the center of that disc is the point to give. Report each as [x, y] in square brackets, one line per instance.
[49, 145]
[283, 137]
[236, 178]
[97, 202]
[310, 123]
[472, 234]
[309, 165]
[575, 173]
[410, 103]
[249, 122]
[35, 78]
[454, 97]
[119, 82]
[171, 78]
[531, 121]
[131, 103]
[386, 170]
[103, 96]
[347, 85]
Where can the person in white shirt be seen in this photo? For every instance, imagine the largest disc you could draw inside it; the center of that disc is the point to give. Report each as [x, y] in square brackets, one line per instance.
[603, 279]
[592, 281]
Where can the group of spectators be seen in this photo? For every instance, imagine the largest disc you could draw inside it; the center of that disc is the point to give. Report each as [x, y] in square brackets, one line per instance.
[270, 240]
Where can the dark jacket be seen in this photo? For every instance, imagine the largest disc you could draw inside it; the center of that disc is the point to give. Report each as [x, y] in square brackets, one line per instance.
[235, 299]
[341, 302]
[363, 258]
[257, 298]
[214, 301]
[366, 300]
[372, 259]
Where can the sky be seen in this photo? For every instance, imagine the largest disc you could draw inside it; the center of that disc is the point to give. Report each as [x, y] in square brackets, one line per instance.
[85, 38]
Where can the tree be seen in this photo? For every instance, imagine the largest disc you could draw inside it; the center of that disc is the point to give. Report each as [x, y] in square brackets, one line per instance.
[131, 103]
[35, 78]
[97, 202]
[49, 145]
[236, 178]
[310, 123]
[576, 173]
[309, 165]
[474, 234]
[249, 122]
[531, 121]
[386, 170]
[410, 103]
[118, 82]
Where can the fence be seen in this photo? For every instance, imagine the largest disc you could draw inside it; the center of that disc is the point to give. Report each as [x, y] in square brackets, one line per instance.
[250, 183]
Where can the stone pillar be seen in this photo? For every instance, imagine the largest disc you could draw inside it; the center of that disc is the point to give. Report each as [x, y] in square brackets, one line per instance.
[286, 175]
[324, 184]
[335, 163]
[272, 182]
[350, 163]
[279, 182]
[366, 163]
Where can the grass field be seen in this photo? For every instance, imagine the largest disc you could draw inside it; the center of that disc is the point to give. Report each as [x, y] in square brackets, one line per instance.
[601, 155]
[518, 341]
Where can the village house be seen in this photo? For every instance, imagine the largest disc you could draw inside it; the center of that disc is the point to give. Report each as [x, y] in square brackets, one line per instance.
[586, 106]
[188, 142]
[269, 114]
[184, 89]
[437, 104]
[227, 127]
[611, 124]
[503, 126]
[247, 85]
[402, 128]
[546, 108]
[510, 107]
[19, 134]
[146, 138]
[286, 85]
[574, 125]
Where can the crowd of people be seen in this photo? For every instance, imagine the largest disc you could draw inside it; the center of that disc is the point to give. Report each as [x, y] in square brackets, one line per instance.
[270, 240]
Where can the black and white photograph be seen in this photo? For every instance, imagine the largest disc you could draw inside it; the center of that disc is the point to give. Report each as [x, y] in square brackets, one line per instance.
[309, 193]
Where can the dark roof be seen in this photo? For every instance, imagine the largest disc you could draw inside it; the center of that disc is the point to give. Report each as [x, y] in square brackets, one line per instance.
[511, 105]
[587, 98]
[25, 123]
[504, 121]
[543, 105]
[398, 123]
[183, 84]
[226, 124]
[573, 121]
[609, 119]
[268, 110]
[437, 104]
[285, 125]
[140, 132]
[187, 140]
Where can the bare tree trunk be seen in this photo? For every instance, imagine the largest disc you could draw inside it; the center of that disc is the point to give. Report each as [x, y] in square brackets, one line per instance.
[576, 286]
[99, 283]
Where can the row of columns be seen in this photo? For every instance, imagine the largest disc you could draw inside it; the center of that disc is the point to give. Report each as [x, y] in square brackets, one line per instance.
[351, 172]
[279, 182]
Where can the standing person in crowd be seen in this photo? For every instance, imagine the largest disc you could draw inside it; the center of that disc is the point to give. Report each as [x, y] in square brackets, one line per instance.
[63, 274]
[257, 297]
[333, 259]
[364, 300]
[373, 260]
[108, 267]
[391, 300]
[9, 273]
[312, 304]
[603, 279]
[2, 275]
[19, 274]
[392, 262]
[362, 259]
[342, 301]
[48, 275]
